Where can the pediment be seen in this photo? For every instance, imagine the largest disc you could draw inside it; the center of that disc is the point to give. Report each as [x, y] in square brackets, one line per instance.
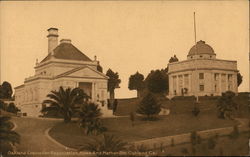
[84, 72]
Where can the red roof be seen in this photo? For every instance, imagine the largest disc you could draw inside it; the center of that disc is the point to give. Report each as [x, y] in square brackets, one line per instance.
[67, 51]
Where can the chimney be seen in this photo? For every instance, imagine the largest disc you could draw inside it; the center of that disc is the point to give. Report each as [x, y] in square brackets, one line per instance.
[68, 41]
[52, 39]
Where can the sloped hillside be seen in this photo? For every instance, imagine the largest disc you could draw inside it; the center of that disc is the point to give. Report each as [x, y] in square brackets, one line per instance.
[180, 105]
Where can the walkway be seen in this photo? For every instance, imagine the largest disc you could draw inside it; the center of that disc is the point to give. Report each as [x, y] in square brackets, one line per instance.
[34, 140]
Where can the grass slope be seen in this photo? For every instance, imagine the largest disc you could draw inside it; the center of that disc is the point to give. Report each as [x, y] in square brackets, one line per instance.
[73, 136]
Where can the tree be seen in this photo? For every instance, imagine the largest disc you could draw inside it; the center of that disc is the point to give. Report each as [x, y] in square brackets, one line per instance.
[90, 118]
[65, 101]
[173, 59]
[12, 108]
[113, 82]
[6, 90]
[226, 105]
[239, 79]
[196, 109]
[195, 138]
[108, 143]
[157, 81]
[8, 137]
[132, 118]
[136, 83]
[3, 105]
[149, 106]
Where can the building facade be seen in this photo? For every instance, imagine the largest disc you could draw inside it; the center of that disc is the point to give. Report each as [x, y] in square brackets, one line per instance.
[202, 73]
[64, 66]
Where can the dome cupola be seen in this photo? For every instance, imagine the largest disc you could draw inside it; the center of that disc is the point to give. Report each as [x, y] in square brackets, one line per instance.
[201, 50]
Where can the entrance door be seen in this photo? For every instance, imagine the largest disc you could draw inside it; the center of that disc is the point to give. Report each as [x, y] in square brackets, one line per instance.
[86, 87]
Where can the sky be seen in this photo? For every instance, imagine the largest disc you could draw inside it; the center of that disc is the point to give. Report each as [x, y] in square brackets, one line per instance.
[126, 36]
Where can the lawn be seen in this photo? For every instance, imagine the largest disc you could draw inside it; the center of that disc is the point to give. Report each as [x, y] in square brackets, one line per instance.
[73, 136]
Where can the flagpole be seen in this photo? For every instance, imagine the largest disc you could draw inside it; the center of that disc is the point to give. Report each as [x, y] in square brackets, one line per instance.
[195, 42]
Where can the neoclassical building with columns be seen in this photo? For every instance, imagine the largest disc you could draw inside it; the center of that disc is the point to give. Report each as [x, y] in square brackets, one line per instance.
[64, 66]
[202, 73]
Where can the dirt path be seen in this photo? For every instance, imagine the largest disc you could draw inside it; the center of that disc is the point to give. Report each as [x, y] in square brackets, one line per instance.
[34, 140]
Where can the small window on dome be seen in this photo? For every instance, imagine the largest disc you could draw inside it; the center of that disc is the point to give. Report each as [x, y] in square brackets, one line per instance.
[200, 56]
[191, 56]
[210, 56]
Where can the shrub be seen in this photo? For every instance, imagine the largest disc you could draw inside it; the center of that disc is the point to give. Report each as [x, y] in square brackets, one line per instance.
[226, 105]
[161, 147]
[172, 142]
[196, 111]
[195, 138]
[141, 148]
[132, 118]
[12, 108]
[184, 150]
[9, 138]
[221, 151]
[108, 143]
[235, 133]
[193, 150]
[211, 143]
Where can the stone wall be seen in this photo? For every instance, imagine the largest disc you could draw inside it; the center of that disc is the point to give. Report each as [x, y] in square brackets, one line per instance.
[184, 138]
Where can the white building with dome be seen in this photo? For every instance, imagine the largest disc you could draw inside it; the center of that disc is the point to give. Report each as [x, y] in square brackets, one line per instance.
[64, 66]
[202, 73]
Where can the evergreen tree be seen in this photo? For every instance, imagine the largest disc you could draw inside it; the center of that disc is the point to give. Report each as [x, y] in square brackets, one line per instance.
[149, 106]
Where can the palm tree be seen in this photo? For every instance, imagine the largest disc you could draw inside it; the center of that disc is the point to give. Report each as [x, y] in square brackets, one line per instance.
[90, 118]
[65, 101]
[113, 83]
[108, 143]
[8, 137]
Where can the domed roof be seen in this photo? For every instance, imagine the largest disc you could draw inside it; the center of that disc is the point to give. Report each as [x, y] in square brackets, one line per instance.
[201, 48]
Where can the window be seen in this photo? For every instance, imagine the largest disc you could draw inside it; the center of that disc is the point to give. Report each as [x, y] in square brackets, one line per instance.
[230, 77]
[216, 76]
[200, 56]
[215, 88]
[201, 87]
[201, 75]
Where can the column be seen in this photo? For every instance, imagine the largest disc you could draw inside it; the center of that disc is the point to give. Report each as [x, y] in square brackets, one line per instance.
[219, 83]
[93, 92]
[177, 84]
[226, 82]
[189, 83]
[171, 85]
[183, 81]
